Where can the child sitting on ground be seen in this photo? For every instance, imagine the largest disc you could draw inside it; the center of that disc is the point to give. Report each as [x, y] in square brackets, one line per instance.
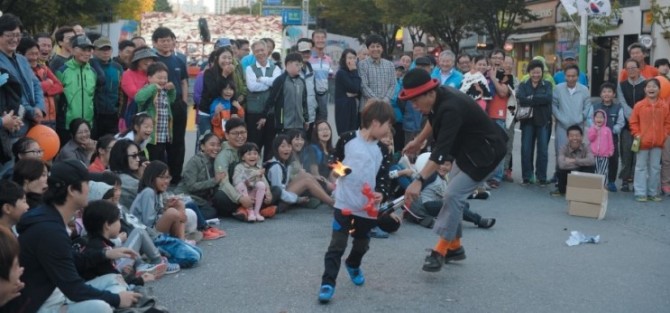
[602, 145]
[425, 211]
[223, 109]
[249, 180]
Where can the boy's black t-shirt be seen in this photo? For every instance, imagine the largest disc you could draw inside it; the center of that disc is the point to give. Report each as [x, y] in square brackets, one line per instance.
[176, 71]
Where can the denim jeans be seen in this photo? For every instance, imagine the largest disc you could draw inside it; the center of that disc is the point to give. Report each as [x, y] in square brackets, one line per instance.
[403, 181]
[498, 172]
[647, 172]
[534, 137]
[113, 283]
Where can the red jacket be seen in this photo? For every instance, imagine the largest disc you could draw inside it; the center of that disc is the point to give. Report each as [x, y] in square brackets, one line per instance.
[51, 87]
[650, 122]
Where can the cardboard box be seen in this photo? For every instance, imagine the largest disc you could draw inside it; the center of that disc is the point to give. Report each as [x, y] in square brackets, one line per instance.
[586, 180]
[594, 196]
[596, 211]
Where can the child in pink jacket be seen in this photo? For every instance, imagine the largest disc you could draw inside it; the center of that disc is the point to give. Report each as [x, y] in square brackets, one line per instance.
[600, 137]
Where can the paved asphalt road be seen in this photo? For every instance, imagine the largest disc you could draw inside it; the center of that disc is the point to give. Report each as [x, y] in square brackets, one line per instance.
[522, 264]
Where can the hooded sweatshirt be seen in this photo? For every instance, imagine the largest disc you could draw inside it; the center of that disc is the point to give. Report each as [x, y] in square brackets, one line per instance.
[650, 122]
[602, 144]
[50, 261]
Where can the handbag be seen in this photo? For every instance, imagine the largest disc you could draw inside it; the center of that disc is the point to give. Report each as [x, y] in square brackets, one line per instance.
[524, 113]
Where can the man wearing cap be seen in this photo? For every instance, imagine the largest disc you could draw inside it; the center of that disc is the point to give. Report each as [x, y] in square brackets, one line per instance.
[107, 93]
[459, 128]
[52, 281]
[79, 83]
[307, 73]
[569, 59]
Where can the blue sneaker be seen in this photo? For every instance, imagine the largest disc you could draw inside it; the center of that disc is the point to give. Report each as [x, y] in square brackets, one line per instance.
[356, 275]
[326, 293]
[611, 187]
[378, 233]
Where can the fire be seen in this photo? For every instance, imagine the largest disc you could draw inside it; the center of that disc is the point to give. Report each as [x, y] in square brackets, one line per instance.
[340, 169]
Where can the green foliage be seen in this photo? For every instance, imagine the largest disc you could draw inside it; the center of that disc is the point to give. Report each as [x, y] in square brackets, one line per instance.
[499, 19]
[661, 16]
[162, 6]
[46, 15]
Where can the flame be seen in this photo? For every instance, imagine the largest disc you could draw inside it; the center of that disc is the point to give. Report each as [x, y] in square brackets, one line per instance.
[340, 169]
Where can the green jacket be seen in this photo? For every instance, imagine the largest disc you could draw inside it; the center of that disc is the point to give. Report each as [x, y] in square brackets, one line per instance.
[79, 83]
[240, 82]
[197, 180]
[227, 156]
[146, 102]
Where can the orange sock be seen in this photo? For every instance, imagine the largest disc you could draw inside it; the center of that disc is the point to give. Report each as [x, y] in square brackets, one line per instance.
[442, 246]
[455, 244]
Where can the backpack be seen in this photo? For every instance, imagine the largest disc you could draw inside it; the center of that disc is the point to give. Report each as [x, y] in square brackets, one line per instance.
[267, 165]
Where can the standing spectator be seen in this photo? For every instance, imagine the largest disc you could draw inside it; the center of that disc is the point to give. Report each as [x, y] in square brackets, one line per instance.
[252, 58]
[323, 69]
[418, 50]
[32, 98]
[509, 67]
[107, 95]
[134, 79]
[51, 86]
[287, 103]
[546, 76]
[125, 57]
[637, 53]
[464, 61]
[259, 76]
[575, 155]
[363, 53]
[650, 126]
[50, 260]
[497, 107]
[308, 75]
[600, 139]
[536, 93]
[446, 72]
[630, 92]
[156, 99]
[476, 84]
[63, 36]
[139, 41]
[405, 61]
[164, 40]
[615, 122]
[347, 93]
[663, 66]
[242, 48]
[45, 44]
[215, 79]
[377, 74]
[79, 84]
[570, 104]
[569, 61]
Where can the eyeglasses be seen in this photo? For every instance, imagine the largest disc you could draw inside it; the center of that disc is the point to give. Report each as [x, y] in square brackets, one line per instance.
[238, 133]
[134, 156]
[168, 177]
[12, 35]
[631, 68]
[40, 151]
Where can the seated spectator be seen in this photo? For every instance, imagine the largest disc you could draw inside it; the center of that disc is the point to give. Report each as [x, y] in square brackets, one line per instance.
[574, 156]
[425, 211]
[126, 161]
[81, 146]
[293, 183]
[315, 155]
[12, 203]
[31, 175]
[249, 180]
[168, 216]
[101, 155]
[25, 148]
[51, 278]
[10, 270]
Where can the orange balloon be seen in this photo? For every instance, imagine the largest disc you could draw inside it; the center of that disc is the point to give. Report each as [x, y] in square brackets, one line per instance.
[47, 139]
[664, 93]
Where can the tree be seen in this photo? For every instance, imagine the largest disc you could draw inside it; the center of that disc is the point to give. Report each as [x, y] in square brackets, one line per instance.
[162, 6]
[395, 12]
[133, 9]
[449, 25]
[33, 13]
[499, 18]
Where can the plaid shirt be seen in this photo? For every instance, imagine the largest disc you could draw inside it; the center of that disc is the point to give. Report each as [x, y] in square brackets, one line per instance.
[378, 79]
[162, 117]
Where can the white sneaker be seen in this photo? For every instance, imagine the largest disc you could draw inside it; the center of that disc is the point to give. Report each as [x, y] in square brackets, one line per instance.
[156, 269]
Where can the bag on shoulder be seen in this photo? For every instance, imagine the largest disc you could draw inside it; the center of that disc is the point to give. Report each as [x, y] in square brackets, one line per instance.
[524, 113]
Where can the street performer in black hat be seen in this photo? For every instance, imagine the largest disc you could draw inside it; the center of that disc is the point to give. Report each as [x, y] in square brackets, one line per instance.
[459, 128]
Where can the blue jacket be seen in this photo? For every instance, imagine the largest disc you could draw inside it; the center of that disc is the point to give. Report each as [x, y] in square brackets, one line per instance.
[559, 77]
[32, 95]
[404, 111]
[454, 80]
[108, 84]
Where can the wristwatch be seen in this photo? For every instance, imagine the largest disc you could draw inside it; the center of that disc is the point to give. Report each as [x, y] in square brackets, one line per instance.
[419, 178]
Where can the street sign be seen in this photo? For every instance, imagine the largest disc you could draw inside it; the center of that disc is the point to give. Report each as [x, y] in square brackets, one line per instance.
[272, 2]
[291, 17]
[276, 11]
